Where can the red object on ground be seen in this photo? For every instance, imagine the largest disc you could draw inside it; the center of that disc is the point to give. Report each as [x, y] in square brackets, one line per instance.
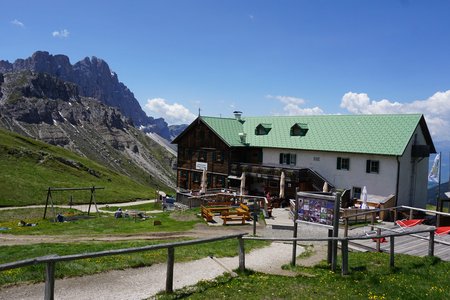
[442, 230]
[382, 240]
[409, 223]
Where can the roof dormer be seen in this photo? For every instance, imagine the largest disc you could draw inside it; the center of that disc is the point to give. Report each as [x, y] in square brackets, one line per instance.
[299, 129]
[263, 129]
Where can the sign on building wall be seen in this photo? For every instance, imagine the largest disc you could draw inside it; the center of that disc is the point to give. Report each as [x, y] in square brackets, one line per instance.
[201, 166]
[315, 208]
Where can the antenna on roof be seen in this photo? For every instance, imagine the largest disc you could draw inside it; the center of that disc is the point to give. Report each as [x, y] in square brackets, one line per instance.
[199, 109]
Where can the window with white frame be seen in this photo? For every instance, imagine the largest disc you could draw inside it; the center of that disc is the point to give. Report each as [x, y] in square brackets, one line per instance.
[343, 163]
[373, 166]
[288, 159]
[356, 192]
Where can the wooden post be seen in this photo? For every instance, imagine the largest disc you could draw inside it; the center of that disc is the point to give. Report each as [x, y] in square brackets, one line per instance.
[335, 231]
[431, 244]
[330, 246]
[49, 281]
[345, 226]
[294, 243]
[378, 239]
[49, 194]
[241, 254]
[170, 263]
[372, 221]
[395, 214]
[344, 246]
[411, 214]
[391, 252]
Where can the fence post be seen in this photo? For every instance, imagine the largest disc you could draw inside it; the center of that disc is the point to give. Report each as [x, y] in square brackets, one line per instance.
[344, 246]
[372, 221]
[330, 246]
[345, 226]
[50, 281]
[170, 263]
[378, 239]
[431, 244]
[241, 254]
[337, 205]
[391, 252]
[294, 243]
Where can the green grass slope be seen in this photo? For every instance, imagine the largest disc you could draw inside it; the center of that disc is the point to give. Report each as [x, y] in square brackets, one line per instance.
[28, 167]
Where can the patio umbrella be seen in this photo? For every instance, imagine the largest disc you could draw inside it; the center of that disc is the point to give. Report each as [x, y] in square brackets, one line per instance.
[364, 198]
[282, 183]
[204, 183]
[325, 187]
[242, 183]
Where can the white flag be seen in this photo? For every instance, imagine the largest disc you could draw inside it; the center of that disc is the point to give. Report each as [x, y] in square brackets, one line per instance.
[434, 172]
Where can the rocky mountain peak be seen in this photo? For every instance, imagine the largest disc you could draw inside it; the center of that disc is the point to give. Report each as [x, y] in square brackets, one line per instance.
[94, 79]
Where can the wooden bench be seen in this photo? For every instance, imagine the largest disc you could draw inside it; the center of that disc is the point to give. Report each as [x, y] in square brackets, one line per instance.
[243, 210]
[219, 209]
[207, 214]
[219, 203]
[232, 217]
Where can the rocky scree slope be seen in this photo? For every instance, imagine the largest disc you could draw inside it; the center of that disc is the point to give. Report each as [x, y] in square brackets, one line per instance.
[44, 107]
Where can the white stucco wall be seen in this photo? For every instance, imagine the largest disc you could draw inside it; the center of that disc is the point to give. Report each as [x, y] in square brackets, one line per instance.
[383, 183]
[416, 197]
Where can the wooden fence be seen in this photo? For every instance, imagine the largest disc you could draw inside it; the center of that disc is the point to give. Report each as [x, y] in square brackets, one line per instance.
[51, 260]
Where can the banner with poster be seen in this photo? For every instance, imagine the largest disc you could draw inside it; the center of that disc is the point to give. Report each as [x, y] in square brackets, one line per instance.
[315, 208]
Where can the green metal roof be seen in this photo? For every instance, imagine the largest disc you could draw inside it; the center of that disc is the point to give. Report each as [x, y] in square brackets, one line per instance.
[374, 134]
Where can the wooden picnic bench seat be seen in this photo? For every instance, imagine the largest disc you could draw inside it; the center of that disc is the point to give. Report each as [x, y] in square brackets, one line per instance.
[214, 204]
[207, 214]
[244, 210]
[226, 216]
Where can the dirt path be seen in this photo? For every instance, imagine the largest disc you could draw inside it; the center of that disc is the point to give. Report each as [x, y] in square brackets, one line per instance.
[144, 282]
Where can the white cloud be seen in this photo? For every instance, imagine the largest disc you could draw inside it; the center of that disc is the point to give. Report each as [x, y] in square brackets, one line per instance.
[17, 23]
[292, 106]
[64, 33]
[436, 110]
[173, 113]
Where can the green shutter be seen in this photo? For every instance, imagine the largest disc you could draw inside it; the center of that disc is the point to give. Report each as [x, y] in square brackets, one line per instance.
[281, 158]
[338, 165]
[368, 166]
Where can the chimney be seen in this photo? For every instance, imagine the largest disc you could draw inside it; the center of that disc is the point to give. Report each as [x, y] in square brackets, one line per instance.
[237, 114]
[243, 137]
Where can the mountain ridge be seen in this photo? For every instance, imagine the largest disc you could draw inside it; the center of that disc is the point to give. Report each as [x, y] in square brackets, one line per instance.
[39, 105]
[95, 79]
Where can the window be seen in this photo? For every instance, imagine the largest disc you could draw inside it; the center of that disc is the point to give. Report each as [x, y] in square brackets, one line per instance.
[343, 163]
[202, 156]
[218, 156]
[196, 178]
[372, 166]
[299, 129]
[263, 129]
[288, 159]
[316, 158]
[356, 192]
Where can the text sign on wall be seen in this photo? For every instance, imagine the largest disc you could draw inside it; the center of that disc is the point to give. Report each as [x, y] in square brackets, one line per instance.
[315, 208]
[201, 166]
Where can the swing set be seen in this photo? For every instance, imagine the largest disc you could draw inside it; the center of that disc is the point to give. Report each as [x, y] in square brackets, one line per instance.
[52, 189]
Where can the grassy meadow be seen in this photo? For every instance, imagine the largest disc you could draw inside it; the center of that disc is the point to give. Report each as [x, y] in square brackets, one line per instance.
[370, 278]
[33, 166]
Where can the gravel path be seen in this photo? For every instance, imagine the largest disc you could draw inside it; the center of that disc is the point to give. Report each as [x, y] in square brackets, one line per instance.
[144, 282]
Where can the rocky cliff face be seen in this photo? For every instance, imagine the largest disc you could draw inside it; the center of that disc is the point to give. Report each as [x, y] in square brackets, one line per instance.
[53, 110]
[94, 79]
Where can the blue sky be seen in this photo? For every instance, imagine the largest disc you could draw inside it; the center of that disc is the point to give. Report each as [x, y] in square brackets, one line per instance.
[260, 57]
